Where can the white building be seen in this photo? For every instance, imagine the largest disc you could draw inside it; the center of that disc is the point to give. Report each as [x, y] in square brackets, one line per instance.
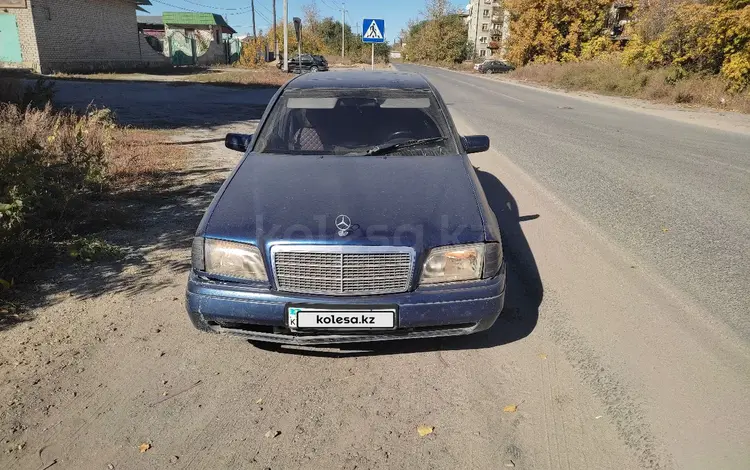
[489, 27]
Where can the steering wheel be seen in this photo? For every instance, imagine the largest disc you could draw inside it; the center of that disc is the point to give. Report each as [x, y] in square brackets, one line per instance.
[399, 135]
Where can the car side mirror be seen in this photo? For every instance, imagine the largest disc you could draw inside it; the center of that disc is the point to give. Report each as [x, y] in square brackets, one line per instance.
[476, 143]
[238, 142]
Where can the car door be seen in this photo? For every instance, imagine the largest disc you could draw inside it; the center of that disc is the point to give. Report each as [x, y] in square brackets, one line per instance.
[307, 61]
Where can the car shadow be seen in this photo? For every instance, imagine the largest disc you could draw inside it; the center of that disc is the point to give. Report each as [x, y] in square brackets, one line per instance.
[524, 294]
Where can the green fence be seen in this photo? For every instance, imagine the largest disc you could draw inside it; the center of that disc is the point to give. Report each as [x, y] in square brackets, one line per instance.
[232, 50]
[182, 49]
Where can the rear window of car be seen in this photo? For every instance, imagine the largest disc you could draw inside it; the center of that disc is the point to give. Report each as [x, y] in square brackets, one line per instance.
[353, 121]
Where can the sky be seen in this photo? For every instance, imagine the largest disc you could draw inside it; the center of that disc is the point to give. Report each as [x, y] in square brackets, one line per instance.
[396, 13]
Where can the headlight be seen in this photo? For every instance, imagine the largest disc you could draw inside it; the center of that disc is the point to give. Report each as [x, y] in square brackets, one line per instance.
[458, 263]
[231, 259]
[453, 264]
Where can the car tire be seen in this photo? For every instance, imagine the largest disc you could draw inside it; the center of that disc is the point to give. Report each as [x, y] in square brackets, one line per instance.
[489, 72]
[313, 69]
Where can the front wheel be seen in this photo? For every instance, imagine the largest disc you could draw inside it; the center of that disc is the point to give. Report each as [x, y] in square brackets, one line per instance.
[313, 69]
[489, 72]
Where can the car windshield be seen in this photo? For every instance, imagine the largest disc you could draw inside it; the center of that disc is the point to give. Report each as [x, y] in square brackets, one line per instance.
[356, 122]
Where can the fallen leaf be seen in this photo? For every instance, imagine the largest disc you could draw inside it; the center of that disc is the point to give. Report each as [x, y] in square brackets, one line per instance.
[258, 401]
[664, 229]
[543, 356]
[510, 408]
[424, 430]
[271, 434]
[144, 447]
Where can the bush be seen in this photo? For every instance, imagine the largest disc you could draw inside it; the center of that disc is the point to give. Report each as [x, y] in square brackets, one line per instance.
[91, 249]
[50, 166]
[700, 37]
[251, 54]
[608, 74]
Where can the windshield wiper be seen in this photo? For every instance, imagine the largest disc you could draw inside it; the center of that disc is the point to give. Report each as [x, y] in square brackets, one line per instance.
[387, 148]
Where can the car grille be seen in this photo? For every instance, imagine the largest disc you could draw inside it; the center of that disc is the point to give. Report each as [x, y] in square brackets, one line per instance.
[342, 270]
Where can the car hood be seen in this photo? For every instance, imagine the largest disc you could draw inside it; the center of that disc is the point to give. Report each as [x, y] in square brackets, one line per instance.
[420, 202]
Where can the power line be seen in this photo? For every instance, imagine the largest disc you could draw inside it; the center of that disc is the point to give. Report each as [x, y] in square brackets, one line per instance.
[266, 8]
[256, 12]
[175, 6]
[214, 7]
[330, 6]
[247, 13]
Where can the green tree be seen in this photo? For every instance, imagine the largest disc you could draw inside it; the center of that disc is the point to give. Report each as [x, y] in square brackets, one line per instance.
[441, 37]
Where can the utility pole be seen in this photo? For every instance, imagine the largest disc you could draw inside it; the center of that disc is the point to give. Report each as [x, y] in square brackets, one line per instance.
[286, 35]
[343, 35]
[252, 8]
[275, 36]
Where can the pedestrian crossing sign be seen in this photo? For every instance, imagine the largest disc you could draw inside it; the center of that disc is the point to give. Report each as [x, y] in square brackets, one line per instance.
[373, 30]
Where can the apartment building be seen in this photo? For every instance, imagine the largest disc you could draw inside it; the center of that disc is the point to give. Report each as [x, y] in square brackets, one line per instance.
[489, 27]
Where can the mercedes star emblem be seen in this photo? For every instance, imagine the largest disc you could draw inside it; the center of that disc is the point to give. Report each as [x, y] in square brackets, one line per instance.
[343, 223]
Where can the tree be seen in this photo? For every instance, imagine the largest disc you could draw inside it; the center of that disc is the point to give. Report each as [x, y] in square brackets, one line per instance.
[441, 37]
[323, 36]
[551, 30]
[692, 36]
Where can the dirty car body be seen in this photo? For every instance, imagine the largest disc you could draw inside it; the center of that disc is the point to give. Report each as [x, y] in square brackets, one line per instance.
[355, 215]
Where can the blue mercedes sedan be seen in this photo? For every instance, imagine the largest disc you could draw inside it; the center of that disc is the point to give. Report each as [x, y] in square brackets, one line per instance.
[355, 215]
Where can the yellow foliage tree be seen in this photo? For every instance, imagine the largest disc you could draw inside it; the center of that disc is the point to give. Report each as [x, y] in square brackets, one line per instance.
[708, 37]
[551, 30]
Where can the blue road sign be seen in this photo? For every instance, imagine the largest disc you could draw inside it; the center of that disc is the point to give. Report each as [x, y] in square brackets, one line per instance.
[373, 31]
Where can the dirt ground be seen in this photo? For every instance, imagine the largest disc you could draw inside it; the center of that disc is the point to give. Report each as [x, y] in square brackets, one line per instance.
[106, 372]
[108, 361]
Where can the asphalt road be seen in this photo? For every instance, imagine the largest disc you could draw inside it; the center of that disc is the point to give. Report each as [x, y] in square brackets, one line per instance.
[675, 195]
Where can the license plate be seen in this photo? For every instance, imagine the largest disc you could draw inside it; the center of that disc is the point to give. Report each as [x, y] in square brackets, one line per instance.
[356, 318]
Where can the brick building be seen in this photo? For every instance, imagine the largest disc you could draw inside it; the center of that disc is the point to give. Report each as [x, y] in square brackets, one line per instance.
[74, 35]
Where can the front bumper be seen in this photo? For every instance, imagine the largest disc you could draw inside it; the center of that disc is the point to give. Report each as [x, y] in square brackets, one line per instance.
[260, 314]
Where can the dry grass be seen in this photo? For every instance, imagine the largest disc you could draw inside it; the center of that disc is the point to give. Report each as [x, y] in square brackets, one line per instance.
[607, 75]
[58, 171]
[139, 157]
[258, 77]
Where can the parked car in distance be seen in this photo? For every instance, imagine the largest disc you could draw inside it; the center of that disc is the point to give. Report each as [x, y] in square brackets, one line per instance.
[494, 66]
[476, 66]
[310, 63]
[355, 215]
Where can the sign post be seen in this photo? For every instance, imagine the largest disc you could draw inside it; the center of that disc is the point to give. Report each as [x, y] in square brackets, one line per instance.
[373, 32]
[298, 32]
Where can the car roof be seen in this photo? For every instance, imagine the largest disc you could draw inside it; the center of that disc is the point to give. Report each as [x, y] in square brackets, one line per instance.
[360, 79]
